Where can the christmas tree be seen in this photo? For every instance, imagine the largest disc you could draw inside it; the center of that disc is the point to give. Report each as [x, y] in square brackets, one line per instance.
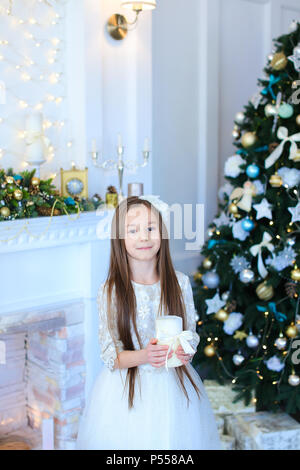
[248, 285]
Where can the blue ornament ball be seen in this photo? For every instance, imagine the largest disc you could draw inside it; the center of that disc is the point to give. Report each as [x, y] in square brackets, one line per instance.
[247, 225]
[211, 279]
[252, 171]
[286, 111]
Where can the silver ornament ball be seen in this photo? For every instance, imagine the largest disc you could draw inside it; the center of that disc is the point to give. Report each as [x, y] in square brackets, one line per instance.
[238, 359]
[211, 279]
[280, 343]
[294, 380]
[246, 276]
[240, 117]
[252, 341]
[225, 296]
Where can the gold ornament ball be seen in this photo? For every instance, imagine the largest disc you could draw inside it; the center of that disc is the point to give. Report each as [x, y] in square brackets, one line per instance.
[197, 277]
[249, 139]
[296, 156]
[264, 292]
[275, 181]
[9, 180]
[233, 208]
[35, 181]
[18, 194]
[209, 350]
[236, 134]
[221, 315]
[279, 61]
[295, 274]
[207, 263]
[291, 331]
[5, 212]
[298, 120]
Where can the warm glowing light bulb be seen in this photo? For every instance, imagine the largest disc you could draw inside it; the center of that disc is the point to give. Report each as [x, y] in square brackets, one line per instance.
[38, 106]
[58, 100]
[50, 98]
[21, 134]
[25, 76]
[23, 104]
[37, 44]
[55, 41]
[32, 21]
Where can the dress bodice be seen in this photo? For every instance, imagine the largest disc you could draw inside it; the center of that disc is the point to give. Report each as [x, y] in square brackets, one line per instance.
[147, 302]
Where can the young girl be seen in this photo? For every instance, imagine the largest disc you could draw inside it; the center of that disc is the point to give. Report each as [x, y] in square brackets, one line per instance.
[136, 403]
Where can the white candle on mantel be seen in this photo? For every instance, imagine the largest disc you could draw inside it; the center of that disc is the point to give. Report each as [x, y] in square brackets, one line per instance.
[166, 327]
[119, 140]
[34, 122]
[48, 433]
[146, 145]
[94, 145]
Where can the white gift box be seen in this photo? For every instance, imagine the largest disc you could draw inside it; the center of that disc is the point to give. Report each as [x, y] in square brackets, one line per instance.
[221, 398]
[264, 431]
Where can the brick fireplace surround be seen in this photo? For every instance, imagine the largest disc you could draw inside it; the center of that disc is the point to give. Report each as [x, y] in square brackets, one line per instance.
[48, 324]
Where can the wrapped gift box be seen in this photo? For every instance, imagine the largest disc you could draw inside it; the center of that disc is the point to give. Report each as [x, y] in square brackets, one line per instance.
[221, 398]
[263, 431]
[228, 442]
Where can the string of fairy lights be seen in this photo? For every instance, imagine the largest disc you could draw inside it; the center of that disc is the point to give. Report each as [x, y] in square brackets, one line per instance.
[32, 45]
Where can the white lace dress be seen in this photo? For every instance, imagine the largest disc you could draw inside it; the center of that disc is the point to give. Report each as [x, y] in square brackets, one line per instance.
[160, 419]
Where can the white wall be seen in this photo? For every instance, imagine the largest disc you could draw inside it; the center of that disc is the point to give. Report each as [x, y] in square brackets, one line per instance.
[207, 57]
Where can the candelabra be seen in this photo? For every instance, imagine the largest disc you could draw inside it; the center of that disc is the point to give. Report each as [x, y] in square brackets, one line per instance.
[119, 164]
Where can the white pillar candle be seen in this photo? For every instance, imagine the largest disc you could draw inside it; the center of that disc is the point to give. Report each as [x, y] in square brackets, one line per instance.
[34, 122]
[94, 145]
[119, 140]
[166, 327]
[35, 152]
[48, 434]
[146, 145]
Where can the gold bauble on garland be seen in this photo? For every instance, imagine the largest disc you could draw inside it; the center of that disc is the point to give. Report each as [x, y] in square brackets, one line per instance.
[207, 263]
[295, 274]
[209, 350]
[221, 315]
[197, 277]
[264, 291]
[249, 139]
[291, 331]
[279, 61]
[296, 156]
[18, 194]
[275, 181]
[35, 181]
[233, 208]
[298, 120]
[4, 211]
[9, 180]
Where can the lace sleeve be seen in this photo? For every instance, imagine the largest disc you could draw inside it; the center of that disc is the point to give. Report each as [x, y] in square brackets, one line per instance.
[108, 351]
[191, 312]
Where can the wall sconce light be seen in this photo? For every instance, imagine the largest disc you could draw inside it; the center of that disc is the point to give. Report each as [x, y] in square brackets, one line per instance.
[117, 25]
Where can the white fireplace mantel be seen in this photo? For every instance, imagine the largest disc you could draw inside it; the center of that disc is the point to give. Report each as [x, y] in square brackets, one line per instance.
[43, 232]
[63, 263]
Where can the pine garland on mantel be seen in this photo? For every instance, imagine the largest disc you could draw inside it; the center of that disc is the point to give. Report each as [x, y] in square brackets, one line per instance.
[24, 195]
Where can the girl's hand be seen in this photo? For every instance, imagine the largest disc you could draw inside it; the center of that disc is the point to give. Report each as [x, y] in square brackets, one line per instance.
[156, 353]
[184, 358]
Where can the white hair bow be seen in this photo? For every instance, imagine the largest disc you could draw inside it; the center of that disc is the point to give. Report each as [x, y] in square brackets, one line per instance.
[160, 205]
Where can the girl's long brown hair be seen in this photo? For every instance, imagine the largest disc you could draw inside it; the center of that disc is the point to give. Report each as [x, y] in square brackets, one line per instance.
[119, 281]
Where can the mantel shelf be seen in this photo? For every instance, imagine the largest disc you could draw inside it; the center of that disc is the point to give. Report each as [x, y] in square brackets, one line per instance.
[42, 232]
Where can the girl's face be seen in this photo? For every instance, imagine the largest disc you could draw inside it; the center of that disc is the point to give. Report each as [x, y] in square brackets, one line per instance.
[142, 237]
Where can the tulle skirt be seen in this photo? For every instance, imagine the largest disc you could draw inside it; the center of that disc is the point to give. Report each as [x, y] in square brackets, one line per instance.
[160, 419]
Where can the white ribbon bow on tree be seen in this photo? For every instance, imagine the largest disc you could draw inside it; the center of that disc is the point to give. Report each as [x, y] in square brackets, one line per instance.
[256, 249]
[183, 338]
[283, 135]
[245, 194]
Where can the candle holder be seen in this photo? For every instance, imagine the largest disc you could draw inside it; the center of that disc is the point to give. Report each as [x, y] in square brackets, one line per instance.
[119, 165]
